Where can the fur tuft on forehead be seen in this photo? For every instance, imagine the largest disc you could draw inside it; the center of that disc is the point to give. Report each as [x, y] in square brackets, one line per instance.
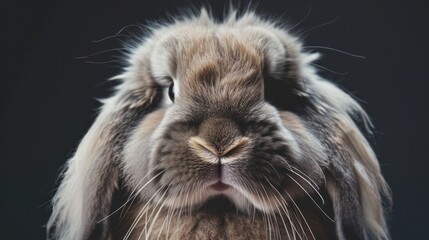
[224, 60]
[237, 44]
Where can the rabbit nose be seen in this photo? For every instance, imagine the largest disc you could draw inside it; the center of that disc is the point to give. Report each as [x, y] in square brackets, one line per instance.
[214, 154]
[219, 141]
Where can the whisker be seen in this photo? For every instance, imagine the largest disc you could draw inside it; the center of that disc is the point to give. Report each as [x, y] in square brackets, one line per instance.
[275, 189]
[302, 20]
[134, 193]
[123, 28]
[186, 201]
[140, 215]
[101, 52]
[309, 178]
[321, 25]
[276, 199]
[282, 204]
[105, 62]
[312, 199]
[245, 182]
[275, 170]
[180, 211]
[329, 70]
[156, 216]
[288, 215]
[269, 204]
[302, 215]
[163, 225]
[335, 50]
[170, 214]
[123, 205]
[317, 191]
[301, 230]
[283, 221]
[109, 37]
[250, 189]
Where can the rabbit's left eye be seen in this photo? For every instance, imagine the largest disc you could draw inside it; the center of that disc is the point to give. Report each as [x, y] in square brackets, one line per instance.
[171, 92]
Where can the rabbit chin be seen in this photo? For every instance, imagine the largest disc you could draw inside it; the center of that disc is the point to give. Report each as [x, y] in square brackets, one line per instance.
[227, 197]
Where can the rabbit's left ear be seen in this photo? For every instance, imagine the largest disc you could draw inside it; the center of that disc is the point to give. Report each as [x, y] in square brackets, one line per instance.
[355, 185]
[353, 177]
[83, 201]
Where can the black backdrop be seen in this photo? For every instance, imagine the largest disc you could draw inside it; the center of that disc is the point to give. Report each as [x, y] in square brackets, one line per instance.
[48, 96]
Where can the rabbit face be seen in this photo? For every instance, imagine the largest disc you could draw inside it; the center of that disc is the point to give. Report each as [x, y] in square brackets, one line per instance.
[233, 110]
[220, 131]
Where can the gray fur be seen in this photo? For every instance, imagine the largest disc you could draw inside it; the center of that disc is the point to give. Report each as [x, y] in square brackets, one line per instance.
[296, 164]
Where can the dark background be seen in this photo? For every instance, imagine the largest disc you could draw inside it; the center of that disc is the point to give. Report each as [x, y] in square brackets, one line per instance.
[48, 96]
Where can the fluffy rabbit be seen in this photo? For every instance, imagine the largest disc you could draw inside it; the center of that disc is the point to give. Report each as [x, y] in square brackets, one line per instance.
[223, 130]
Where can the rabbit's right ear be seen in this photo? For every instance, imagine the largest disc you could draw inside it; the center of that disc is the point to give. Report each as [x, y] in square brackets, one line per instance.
[87, 186]
[83, 200]
[91, 176]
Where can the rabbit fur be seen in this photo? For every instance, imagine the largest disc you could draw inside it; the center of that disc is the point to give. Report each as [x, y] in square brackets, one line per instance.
[234, 104]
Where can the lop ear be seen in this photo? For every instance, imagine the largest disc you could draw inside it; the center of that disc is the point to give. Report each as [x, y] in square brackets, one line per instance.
[356, 186]
[91, 176]
[353, 178]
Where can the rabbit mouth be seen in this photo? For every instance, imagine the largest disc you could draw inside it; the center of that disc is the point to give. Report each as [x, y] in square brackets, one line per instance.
[220, 189]
[219, 186]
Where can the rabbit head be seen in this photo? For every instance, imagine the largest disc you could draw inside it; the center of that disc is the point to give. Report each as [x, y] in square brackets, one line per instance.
[232, 109]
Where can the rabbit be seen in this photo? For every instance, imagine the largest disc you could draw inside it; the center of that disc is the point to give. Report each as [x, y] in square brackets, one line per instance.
[223, 130]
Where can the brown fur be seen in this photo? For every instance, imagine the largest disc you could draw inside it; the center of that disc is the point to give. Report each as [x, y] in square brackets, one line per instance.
[206, 225]
[248, 111]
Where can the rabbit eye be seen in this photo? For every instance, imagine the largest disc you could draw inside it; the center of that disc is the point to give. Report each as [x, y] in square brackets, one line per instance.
[171, 92]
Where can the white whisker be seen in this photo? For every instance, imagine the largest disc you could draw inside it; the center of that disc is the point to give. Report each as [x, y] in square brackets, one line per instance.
[101, 52]
[314, 188]
[309, 178]
[312, 199]
[329, 70]
[336, 50]
[109, 37]
[282, 205]
[302, 20]
[123, 205]
[302, 215]
[321, 25]
[156, 216]
[140, 215]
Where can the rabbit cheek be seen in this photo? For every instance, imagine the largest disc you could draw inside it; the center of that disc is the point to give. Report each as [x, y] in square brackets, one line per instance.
[285, 161]
[172, 166]
[137, 152]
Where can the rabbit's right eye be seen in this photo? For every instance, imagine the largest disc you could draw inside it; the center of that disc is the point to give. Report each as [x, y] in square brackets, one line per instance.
[171, 92]
[283, 94]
